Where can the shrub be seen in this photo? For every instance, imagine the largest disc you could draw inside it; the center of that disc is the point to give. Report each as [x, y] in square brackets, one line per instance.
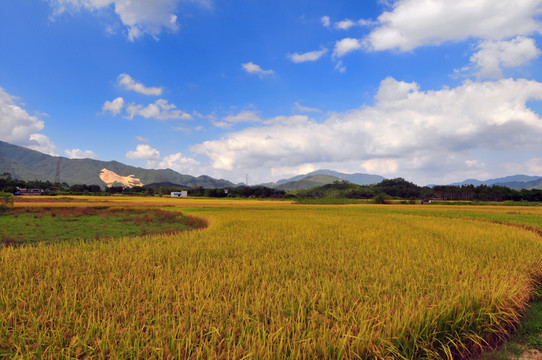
[6, 201]
[380, 198]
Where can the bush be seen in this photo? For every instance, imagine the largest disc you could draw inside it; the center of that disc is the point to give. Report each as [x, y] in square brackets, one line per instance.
[380, 198]
[6, 201]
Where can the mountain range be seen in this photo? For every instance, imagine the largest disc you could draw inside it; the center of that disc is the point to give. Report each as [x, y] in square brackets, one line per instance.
[25, 164]
[517, 182]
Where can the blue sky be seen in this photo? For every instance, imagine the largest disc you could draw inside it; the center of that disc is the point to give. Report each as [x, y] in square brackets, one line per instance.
[434, 91]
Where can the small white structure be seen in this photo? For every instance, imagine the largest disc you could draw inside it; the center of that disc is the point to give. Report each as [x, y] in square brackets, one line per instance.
[179, 194]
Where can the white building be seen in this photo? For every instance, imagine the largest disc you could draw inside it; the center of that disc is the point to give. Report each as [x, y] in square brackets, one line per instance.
[179, 194]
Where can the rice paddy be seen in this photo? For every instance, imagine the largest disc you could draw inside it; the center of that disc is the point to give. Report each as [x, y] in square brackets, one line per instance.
[275, 280]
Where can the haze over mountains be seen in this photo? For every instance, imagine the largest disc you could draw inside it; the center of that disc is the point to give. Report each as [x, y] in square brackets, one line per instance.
[25, 164]
[517, 182]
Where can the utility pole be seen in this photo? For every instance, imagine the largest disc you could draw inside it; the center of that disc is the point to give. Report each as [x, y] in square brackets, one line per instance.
[57, 175]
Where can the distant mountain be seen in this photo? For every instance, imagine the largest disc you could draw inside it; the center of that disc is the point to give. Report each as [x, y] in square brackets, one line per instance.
[307, 182]
[28, 165]
[515, 182]
[328, 177]
[528, 185]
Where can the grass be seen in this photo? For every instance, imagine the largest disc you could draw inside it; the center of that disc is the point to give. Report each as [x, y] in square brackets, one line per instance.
[528, 335]
[30, 226]
[272, 280]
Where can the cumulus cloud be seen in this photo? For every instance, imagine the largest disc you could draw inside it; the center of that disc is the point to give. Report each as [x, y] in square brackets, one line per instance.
[406, 132]
[346, 45]
[18, 127]
[308, 56]
[176, 162]
[128, 83]
[152, 158]
[493, 56]
[143, 151]
[252, 68]
[344, 24]
[16, 123]
[140, 17]
[80, 154]
[114, 107]
[159, 110]
[41, 143]
[414, 23]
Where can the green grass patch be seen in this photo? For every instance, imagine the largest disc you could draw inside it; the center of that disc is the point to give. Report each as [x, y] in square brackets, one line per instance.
[30, 226]
[527, 337]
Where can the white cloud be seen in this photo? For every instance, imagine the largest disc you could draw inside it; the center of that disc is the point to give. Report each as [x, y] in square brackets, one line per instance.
[347, 24]
[344, 24]
[325, 21]
[414, 23]
[407, 132]
[80, 154]
[492, 56]
[308, 56]
[115, 106]
[245, 116]
[252, 68]
[346, 45]
[16, 124]
[142, 139]
[305, 109]
[472, 163]
[42, 143]
[380, 166]
[159, 110]
[532, 166]
[18, 127]
[128, 83]
[340, 66]
[289, 171]
[143, 151]
[138, 16]
[176, 162]
[152, 158]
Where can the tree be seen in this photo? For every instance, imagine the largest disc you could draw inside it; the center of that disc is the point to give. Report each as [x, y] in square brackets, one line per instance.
[380, 198]
[6, 201]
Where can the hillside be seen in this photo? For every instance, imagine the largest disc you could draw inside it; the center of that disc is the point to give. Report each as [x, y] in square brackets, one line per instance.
[528, 185]
[323, 177]
[307, 182]
[28, 165]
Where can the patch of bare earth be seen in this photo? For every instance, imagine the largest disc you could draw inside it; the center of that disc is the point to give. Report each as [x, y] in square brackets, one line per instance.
[110, 177]
[531, 355]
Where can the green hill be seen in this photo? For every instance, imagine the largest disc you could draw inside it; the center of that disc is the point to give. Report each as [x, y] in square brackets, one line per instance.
[28, 165]
[308, 182]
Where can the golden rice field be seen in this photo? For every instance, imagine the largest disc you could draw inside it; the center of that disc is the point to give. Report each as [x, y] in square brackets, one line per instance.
[275, 280]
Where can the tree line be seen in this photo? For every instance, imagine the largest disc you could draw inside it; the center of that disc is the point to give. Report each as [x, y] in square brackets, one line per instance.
[399, 188]
[10, 185]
